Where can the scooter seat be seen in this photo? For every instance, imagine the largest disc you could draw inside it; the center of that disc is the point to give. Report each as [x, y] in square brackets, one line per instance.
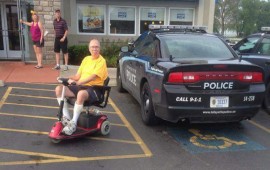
[102, 102]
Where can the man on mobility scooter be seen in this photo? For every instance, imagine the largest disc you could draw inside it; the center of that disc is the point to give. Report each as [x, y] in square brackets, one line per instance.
[92, 72]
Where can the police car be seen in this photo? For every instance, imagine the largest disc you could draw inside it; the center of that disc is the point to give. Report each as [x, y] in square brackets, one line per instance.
[182, 73]
[255, 48]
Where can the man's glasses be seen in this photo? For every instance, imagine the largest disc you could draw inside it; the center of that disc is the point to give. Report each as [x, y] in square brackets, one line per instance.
[94, 47]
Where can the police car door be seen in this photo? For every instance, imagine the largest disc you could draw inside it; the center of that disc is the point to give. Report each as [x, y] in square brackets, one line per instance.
[142, 64]
[130, 68]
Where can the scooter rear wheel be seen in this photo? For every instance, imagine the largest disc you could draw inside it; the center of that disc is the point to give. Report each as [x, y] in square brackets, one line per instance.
[105, 128]
[55, 141]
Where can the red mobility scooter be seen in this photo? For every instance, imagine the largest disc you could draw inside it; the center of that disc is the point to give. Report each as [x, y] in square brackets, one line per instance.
[90, 120]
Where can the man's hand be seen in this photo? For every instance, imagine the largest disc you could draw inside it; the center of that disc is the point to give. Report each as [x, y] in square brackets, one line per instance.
[72, 82]
[62, 39]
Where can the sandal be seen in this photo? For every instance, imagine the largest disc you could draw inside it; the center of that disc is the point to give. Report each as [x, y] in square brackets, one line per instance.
[38, 67]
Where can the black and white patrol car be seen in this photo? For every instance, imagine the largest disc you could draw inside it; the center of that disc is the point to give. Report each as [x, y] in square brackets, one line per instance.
[182, 73]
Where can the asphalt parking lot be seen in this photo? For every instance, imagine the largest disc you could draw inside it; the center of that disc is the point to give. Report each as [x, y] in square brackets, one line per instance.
[29, 110]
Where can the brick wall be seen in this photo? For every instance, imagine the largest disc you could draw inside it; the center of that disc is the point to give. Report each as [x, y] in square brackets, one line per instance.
[45, 10]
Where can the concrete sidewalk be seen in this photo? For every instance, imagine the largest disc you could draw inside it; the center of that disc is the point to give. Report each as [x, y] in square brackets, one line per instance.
[11, 71]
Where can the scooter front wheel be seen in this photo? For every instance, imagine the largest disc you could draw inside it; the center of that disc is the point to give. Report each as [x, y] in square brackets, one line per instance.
[105, 128]
[56, 141]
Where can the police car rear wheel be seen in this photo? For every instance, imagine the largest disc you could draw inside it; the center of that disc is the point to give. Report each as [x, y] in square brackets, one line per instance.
[119, 81]
[147, 109]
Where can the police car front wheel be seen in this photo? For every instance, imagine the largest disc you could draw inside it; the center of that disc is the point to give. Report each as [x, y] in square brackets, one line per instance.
[120, 87]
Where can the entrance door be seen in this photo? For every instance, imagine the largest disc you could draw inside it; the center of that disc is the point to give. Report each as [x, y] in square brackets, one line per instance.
[10, 47]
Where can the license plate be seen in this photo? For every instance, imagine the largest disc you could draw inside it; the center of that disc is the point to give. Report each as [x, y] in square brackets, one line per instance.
[219, 101]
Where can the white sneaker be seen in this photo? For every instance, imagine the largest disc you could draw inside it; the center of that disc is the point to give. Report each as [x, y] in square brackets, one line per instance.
[64, 121]
[66, 68]
[70, 128]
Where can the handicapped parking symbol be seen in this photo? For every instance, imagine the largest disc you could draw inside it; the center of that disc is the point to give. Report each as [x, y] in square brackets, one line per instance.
[214, 140]
[225, 142]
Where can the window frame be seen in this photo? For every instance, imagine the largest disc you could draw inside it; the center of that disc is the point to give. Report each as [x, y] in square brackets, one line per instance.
[105, 19]
[169, 17]
[140, 8]
[109, 20]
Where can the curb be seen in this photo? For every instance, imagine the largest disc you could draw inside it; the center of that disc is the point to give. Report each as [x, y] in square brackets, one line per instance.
[2, 84]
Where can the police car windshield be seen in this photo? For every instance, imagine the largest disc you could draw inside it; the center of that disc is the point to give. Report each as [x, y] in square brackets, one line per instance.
[195, 46]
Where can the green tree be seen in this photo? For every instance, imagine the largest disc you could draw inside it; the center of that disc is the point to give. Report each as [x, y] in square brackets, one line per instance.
[243, 16]
[264, 15]
[249, 13]
[225, 15]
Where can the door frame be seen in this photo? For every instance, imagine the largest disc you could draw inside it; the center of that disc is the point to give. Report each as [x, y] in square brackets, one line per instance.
[8, 54]
[4, 51]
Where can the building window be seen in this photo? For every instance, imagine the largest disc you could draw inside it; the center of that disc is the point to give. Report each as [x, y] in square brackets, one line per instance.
[181, 16]
[151, 16]
[122, 20]
[91, 18]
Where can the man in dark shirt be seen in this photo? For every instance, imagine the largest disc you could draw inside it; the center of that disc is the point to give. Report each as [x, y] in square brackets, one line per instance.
[61, 30]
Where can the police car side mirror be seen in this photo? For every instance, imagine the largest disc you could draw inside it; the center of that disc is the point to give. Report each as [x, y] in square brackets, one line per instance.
[131, 46]
[124, 49]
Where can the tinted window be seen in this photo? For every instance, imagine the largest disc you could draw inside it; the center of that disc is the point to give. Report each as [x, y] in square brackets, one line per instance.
[247, 44]
[195, 46]
[141, 47]
[151, 49]
[264, 47]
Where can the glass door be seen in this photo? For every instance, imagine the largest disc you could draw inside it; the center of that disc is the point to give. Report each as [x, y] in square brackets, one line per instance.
[13, 35]
[10, 32]
[2, 44]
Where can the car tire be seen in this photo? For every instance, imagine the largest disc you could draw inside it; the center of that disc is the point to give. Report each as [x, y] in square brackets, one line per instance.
[266, 102]
[120, 87]
[147, 109]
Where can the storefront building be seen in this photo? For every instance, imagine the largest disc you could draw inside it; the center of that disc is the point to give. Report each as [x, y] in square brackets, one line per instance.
[106, 20]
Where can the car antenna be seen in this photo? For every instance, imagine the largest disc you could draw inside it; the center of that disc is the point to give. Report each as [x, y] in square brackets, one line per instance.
[240, 58]
[171, 57]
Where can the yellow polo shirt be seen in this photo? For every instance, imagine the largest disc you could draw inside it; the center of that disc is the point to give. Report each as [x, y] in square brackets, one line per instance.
[91, 66]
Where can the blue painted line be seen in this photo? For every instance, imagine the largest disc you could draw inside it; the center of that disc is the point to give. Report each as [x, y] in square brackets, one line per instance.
[183, 136]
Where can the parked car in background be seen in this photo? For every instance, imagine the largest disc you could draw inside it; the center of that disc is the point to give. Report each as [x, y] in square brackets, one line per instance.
[182, 73]
[255, 48]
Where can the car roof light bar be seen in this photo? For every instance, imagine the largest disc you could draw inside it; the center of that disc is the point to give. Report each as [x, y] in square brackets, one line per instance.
[265, 28]
[177, 27]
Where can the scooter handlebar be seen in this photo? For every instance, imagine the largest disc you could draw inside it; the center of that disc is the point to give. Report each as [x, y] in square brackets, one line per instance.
[64, 81]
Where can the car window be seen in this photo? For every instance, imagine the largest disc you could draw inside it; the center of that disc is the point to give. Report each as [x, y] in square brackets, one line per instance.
[151, 49]
[140, 39]
[264, 47]
[196, 46]
[247, 44]
[140, 45]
